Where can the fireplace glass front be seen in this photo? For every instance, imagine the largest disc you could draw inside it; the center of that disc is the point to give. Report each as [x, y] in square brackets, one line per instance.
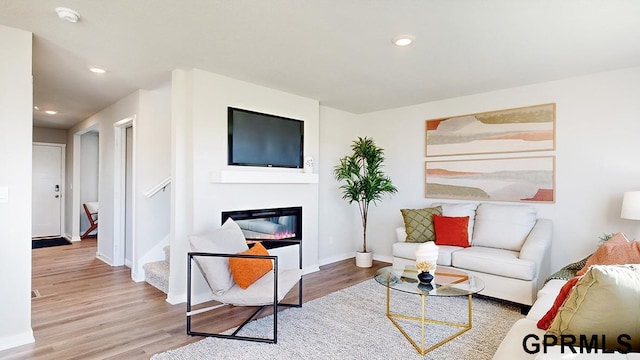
[273, 227]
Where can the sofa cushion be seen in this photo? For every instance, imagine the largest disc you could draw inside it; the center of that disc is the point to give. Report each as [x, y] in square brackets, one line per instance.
[418, 223]
[451, 231]
[261, 291]
[408, 251]
[445, 253]
[494, 261]
[544, 300]
[462, 210]
[503, 226]
[616, 251]
[552, 287]
[604, 303]
[228, 239]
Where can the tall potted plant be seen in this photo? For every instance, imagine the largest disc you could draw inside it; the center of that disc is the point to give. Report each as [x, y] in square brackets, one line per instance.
[364, 183]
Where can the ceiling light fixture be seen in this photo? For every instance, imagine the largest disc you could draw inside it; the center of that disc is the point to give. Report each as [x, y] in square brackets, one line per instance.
[403, 40]
[67, 14]
[51, 112]
[97, 70]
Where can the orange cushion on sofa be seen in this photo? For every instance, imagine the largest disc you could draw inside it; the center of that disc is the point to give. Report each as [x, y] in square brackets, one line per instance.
[246, 271]
[451, 230]
[615, 251]
[547, 319]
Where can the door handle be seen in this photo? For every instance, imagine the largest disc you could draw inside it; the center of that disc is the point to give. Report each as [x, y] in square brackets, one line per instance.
[57, 196]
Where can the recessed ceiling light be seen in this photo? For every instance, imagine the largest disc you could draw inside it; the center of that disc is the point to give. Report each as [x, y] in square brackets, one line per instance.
[403, 40]
[51, 112]
[97, 70]
[67, 14]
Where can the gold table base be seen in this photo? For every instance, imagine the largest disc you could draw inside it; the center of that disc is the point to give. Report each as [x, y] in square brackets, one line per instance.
[423, 320]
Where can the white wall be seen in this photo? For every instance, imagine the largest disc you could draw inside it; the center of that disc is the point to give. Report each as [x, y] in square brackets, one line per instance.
[126, 107]
[340, 231]
[152, 154]
[152, 148]
[200, 132]
[48, 135]
[15, 212]
[596, 158]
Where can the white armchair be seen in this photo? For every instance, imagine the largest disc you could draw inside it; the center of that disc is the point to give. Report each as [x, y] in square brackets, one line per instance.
[211, 256]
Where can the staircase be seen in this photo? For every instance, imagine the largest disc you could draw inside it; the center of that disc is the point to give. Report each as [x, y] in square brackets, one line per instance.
[157, 273]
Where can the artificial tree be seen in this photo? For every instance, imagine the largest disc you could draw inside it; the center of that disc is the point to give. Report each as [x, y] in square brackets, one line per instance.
[364, 180]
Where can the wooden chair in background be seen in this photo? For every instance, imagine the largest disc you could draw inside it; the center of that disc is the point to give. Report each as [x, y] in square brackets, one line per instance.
[91, 209]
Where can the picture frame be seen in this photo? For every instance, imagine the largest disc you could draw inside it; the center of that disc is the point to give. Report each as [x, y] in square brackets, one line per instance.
[523, 129]
[516, 179]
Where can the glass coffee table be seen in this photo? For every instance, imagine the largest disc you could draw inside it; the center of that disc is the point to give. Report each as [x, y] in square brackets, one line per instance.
[446, 282]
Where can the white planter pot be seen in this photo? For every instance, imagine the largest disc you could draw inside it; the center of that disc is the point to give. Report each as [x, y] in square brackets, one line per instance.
[364, 259]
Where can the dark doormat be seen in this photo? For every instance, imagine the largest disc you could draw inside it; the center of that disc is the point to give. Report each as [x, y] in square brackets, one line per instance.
[42, 243]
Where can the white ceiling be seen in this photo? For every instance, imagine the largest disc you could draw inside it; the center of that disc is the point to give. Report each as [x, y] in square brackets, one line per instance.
[336, 51]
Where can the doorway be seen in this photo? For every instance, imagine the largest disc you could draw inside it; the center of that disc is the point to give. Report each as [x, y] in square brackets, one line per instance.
[124, 190]
[89, 181]
[47, 190]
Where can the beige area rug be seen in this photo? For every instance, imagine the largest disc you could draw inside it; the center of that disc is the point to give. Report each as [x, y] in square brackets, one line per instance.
[351, 324]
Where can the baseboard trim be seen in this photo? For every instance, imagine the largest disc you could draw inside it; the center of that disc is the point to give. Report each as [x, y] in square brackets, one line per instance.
[336, 258]
[383, 258]
[17, 340]
[104, 259]
[182, 298]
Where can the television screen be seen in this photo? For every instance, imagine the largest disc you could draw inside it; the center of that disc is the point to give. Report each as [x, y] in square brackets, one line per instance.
[257, 139]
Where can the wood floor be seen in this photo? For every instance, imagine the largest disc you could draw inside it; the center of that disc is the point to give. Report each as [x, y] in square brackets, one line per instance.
[89, 310]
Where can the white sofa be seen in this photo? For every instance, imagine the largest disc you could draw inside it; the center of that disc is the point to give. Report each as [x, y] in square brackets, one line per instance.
[512, 346]
[510, 249]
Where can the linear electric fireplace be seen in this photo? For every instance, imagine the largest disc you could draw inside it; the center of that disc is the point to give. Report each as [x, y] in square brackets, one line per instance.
[273, 227]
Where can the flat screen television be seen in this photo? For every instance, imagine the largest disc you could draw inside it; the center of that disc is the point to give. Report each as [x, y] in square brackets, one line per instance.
[257, 139]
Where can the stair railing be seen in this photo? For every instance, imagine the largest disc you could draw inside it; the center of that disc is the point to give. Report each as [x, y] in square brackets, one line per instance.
[161, 186]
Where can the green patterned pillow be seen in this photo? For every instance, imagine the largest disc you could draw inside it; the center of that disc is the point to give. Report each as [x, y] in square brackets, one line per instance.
[418, 224]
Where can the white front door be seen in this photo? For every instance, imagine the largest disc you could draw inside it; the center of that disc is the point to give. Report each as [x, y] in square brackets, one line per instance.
[47, 190]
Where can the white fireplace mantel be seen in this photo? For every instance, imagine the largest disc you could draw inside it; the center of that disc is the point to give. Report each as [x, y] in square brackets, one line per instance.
[229, 176]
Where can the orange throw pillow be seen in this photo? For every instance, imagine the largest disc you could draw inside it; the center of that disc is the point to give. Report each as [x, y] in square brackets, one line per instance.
[615, 251]
[246, 271]
[451, 230]
[547, 319]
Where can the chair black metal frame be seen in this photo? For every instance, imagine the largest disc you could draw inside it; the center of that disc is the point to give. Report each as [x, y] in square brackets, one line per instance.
[275, 305]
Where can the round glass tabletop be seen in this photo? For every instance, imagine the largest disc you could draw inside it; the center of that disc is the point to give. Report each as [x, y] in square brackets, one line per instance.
[446, 281]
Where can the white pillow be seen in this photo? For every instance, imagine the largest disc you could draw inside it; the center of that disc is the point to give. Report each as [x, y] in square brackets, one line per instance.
[228, 239]
[503, 226]
[461, 210]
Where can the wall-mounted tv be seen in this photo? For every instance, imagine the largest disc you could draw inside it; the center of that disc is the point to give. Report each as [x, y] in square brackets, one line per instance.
[257, 139]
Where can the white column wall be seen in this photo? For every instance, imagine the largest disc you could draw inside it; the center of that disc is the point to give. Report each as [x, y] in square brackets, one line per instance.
[340, 232]
[16, 124]
[152, 165]
[204, 122]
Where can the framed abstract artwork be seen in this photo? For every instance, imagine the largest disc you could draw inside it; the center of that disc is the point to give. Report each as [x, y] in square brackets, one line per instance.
[530, 128]
[522, 179]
